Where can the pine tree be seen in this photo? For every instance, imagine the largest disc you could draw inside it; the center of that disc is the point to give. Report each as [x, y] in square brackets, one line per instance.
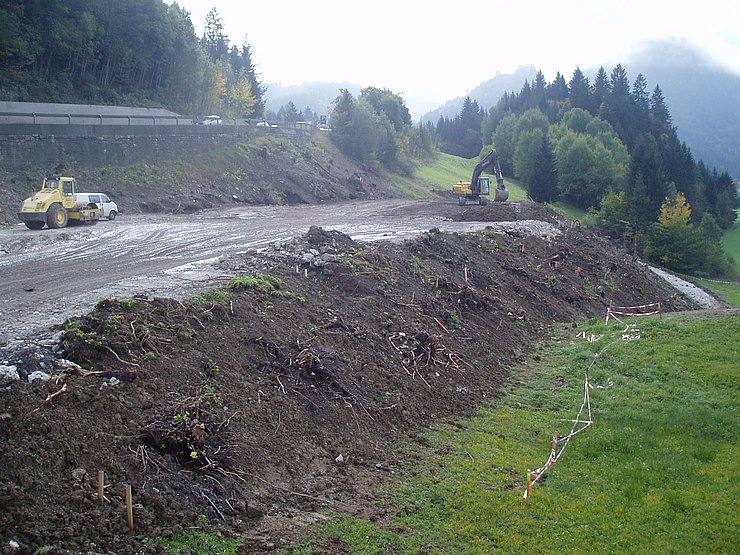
[641, 103]
[617, 108]
[660, 117]
[258, 89]
[580, 96]
[646, 186]
[558, 90]
[214, 41]
[544, 180]
[599, 90]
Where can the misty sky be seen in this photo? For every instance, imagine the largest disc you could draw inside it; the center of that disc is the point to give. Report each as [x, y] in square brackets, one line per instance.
[436, 52]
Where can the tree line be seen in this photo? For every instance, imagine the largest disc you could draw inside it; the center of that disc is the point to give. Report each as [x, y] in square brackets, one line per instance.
[608, 147]
[376, 128]
[124, 52]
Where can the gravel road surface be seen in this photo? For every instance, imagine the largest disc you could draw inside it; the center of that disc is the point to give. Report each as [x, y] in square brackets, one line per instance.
[47, 276]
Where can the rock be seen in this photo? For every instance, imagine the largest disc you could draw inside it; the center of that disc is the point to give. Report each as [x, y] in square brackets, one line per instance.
[68, 365]
[79, 474]
[254, 510]
[8, 375]
[38, 375]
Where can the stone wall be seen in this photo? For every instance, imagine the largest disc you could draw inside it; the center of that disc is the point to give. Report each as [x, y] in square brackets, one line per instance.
[28, 145]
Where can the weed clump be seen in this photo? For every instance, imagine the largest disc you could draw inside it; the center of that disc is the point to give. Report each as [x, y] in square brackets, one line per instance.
[265, 285]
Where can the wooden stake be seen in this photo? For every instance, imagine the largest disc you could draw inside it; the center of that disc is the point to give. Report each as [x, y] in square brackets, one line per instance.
[529, 485]
[129, 507]
[101, 485]
[466, 274]
[305, 272]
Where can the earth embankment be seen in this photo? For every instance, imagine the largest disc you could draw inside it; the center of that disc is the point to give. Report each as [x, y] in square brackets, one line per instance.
[266, 404]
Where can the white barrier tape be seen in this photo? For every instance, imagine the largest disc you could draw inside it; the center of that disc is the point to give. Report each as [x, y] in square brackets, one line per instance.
[637, 307]
[634, 313]
[613, 311]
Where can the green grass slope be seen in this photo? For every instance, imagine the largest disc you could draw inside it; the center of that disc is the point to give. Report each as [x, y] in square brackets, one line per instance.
[654, 474]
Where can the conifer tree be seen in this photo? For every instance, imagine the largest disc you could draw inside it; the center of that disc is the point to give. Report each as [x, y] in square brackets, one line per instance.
[580, 96]
[599, 90]
[543, 186]
[660, 117]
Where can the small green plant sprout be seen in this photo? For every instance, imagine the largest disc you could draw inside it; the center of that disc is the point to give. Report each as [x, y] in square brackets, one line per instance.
[554, 282]
[453, 319]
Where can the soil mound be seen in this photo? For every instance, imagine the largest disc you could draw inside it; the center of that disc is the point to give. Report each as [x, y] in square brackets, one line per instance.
[263, 404]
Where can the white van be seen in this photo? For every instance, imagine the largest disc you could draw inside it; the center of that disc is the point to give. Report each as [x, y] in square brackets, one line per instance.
[101, 200]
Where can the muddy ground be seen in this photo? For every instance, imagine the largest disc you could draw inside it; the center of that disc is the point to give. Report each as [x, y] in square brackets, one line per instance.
[280, 400]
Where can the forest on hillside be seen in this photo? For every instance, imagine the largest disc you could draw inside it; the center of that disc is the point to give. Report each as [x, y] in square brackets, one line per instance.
[124, 52]
[609, 147]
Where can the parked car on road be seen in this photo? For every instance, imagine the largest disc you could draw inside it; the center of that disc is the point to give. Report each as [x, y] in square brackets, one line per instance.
[102, 201]
[211, 120]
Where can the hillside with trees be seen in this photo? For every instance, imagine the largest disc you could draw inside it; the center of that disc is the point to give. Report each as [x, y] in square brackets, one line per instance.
[609, 147]
[376, 128]
[77, 52]
[704, 98]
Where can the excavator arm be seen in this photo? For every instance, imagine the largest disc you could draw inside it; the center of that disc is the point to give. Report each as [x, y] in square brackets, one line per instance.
[490, 163]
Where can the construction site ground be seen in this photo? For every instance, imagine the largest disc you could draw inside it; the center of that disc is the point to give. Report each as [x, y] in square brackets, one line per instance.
[259, 404]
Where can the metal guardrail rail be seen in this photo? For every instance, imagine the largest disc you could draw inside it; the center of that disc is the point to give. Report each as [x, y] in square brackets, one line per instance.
[101, 119]
[36, 116]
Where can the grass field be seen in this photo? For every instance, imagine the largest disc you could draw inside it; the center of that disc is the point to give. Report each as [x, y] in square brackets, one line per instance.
[445, 170]
[656, 473]
[728, 292]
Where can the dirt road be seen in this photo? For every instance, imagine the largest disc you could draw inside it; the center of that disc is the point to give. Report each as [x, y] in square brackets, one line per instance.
[49, 275]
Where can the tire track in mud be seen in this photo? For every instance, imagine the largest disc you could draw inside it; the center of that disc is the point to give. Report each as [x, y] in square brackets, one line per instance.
[49, 275]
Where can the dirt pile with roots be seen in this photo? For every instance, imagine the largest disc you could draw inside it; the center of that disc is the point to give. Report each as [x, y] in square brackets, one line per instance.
[266, 404]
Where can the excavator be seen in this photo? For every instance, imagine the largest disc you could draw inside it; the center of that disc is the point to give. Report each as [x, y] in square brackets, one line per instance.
[479, 187]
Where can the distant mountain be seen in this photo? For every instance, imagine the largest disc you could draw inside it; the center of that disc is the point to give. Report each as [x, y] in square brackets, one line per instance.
[487, 94]
[316, 95]
[703, 99]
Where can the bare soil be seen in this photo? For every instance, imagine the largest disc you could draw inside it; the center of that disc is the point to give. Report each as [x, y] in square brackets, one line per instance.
[272, 407]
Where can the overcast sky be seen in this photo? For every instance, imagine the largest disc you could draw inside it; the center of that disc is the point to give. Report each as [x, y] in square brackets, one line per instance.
[438, 51]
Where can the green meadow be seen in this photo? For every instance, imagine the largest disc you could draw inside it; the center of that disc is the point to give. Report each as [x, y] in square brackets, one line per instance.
[655, 473]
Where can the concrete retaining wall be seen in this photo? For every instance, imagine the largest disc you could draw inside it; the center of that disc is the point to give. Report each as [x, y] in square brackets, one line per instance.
[46, 146]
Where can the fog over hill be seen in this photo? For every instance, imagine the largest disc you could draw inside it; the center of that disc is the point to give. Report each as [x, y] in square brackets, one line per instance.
[703, 98]
[316, 95]
[487, 94]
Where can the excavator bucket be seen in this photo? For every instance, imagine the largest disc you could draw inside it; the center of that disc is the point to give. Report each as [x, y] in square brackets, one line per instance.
[501, 195]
